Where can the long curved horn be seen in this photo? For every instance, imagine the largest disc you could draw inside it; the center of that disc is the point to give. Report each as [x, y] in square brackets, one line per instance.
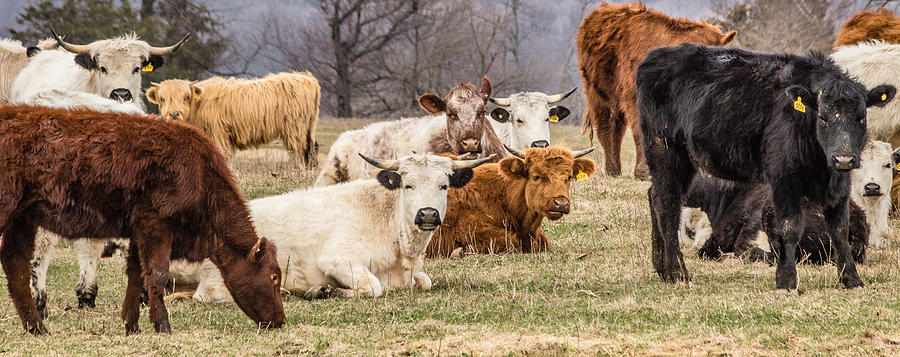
[503, 102]
[515, 152]
[165, 51]
[559, 97]
[68, 46]
[471, 164]
[390, 165]
[581, 153]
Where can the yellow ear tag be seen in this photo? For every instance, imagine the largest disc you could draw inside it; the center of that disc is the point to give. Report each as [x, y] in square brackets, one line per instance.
[258, 250]
[554, 119]
[147, 68]
[196, 96]
[898, 166]
[798, 105]
[581, 176]
[883, 97]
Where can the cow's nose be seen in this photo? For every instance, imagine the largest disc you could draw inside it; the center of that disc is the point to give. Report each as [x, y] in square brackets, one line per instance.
[872, 189]
[843, 163]
[540, 144]
[173, 115]
[120, 94]
[561, 204]
[469, 145]
[428, 219]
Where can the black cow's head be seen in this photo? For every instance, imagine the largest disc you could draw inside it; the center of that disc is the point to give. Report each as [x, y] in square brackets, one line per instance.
[839, 108]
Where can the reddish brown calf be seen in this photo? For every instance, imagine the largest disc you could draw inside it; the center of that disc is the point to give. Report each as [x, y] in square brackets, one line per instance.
[161, 183]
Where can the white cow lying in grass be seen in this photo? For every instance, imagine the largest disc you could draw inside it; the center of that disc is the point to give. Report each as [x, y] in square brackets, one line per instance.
[360, 238]
[523, 121]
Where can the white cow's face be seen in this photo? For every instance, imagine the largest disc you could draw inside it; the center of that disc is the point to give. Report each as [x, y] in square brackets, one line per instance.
[423, 181]
[872, 180]
[527, 118]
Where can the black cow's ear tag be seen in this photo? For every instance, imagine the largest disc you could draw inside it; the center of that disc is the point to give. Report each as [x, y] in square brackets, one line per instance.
[798, 105]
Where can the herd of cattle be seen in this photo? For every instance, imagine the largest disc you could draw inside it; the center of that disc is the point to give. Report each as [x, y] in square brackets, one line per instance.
[770, 157]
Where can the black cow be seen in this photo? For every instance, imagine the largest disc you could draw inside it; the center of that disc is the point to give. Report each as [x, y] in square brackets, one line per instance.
[797, 123]
[739, 212]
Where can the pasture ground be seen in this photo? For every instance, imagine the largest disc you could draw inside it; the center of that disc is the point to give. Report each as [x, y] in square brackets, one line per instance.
[595, 293]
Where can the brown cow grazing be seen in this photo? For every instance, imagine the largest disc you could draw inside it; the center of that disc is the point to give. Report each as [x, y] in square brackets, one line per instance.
[503, 206]
[881, 24]
[612, 41]
[160, 183]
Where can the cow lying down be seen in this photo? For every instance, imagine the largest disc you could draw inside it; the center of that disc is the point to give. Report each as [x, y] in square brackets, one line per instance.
[503, 207]
[360, 238]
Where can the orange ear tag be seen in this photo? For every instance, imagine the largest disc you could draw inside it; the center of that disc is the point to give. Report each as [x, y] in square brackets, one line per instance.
[554, 119]
[581, 176]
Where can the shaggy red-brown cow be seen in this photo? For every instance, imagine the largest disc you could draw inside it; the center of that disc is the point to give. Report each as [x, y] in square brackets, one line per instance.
[503, 206]
[161, 183]
[881, 24]
[612, 41]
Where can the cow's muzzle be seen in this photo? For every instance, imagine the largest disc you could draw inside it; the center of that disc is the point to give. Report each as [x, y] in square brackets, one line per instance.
[559, 206]
[427, 219]
[120, 94]
[872, 189]
[470, 145]
[540, 144]
[844, 163]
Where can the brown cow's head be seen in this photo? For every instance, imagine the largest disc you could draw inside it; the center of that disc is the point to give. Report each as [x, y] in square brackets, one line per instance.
[547, 173]
[175, 98]
[254, 281]
[464, 107]
[707, 35]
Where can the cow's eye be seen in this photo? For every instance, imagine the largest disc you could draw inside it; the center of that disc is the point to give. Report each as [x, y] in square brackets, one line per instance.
[520, 121]
[103, 69]
[408, 187]
[535, 177]
[274, 277]
[136, 70]
[187, 98]
[888, 165]
[443, 187]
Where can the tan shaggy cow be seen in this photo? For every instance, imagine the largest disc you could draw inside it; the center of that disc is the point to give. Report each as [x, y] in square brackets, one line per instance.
[612, 41]
[242, 113]
[503, 206]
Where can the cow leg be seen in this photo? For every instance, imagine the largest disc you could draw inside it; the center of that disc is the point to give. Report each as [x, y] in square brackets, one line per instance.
[672, 172]
[131, 306]
[353, 275]
[15, 255]
[610, 136]
[641, 172]
[89, 252]
[421, 281]
[155, 249]
[44, 246]
[790, 214]
[656, 244]
[837, 220]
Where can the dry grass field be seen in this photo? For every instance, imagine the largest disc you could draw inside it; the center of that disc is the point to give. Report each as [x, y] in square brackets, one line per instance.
[595, 293]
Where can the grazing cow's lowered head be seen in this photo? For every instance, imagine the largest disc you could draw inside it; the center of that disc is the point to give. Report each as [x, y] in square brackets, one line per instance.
[254, 282]
[116, 64]
[524, 119]
[464, 107]
[423, 181]
[547, 173]
[838, 106]
[174, 97]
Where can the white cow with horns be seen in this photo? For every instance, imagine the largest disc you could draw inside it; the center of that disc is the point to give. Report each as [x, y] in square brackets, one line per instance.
[523, 119]
[360, 238]
[104, 75]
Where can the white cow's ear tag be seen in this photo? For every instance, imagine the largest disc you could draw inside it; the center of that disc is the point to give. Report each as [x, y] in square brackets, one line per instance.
[883, 97]
[898, 166]
[554, 119]
[581, 176]
[798, 105]
[147, 68]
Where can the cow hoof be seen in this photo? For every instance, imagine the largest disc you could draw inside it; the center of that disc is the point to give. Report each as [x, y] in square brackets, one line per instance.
[163, 327]
[788, 292]
[132, 329]
[37, 328]
[852, 282]
[86, 300]
[642, 175]
[322, 292]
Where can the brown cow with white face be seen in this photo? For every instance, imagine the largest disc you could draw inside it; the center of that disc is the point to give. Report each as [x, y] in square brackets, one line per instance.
[503, 206]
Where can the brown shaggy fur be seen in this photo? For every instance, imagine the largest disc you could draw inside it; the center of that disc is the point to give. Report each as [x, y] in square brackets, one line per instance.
[160, 183]
[612, 41]
[881, 24]
[501, 209]
[240, 114]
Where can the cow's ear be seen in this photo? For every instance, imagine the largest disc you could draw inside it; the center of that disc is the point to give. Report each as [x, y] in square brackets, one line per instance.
[583, 168]
[896, 158]
[727, 38]
[389, 179]
[195, 92]
[881, 95]
[151, 94]
[486, 88]
[500, 115]
[86, 61]
[801, 98]
[259, 249]
[32, 50]
[558, 113]
[432, 103]
[461, 177]
[513, 168]
[153, 63]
